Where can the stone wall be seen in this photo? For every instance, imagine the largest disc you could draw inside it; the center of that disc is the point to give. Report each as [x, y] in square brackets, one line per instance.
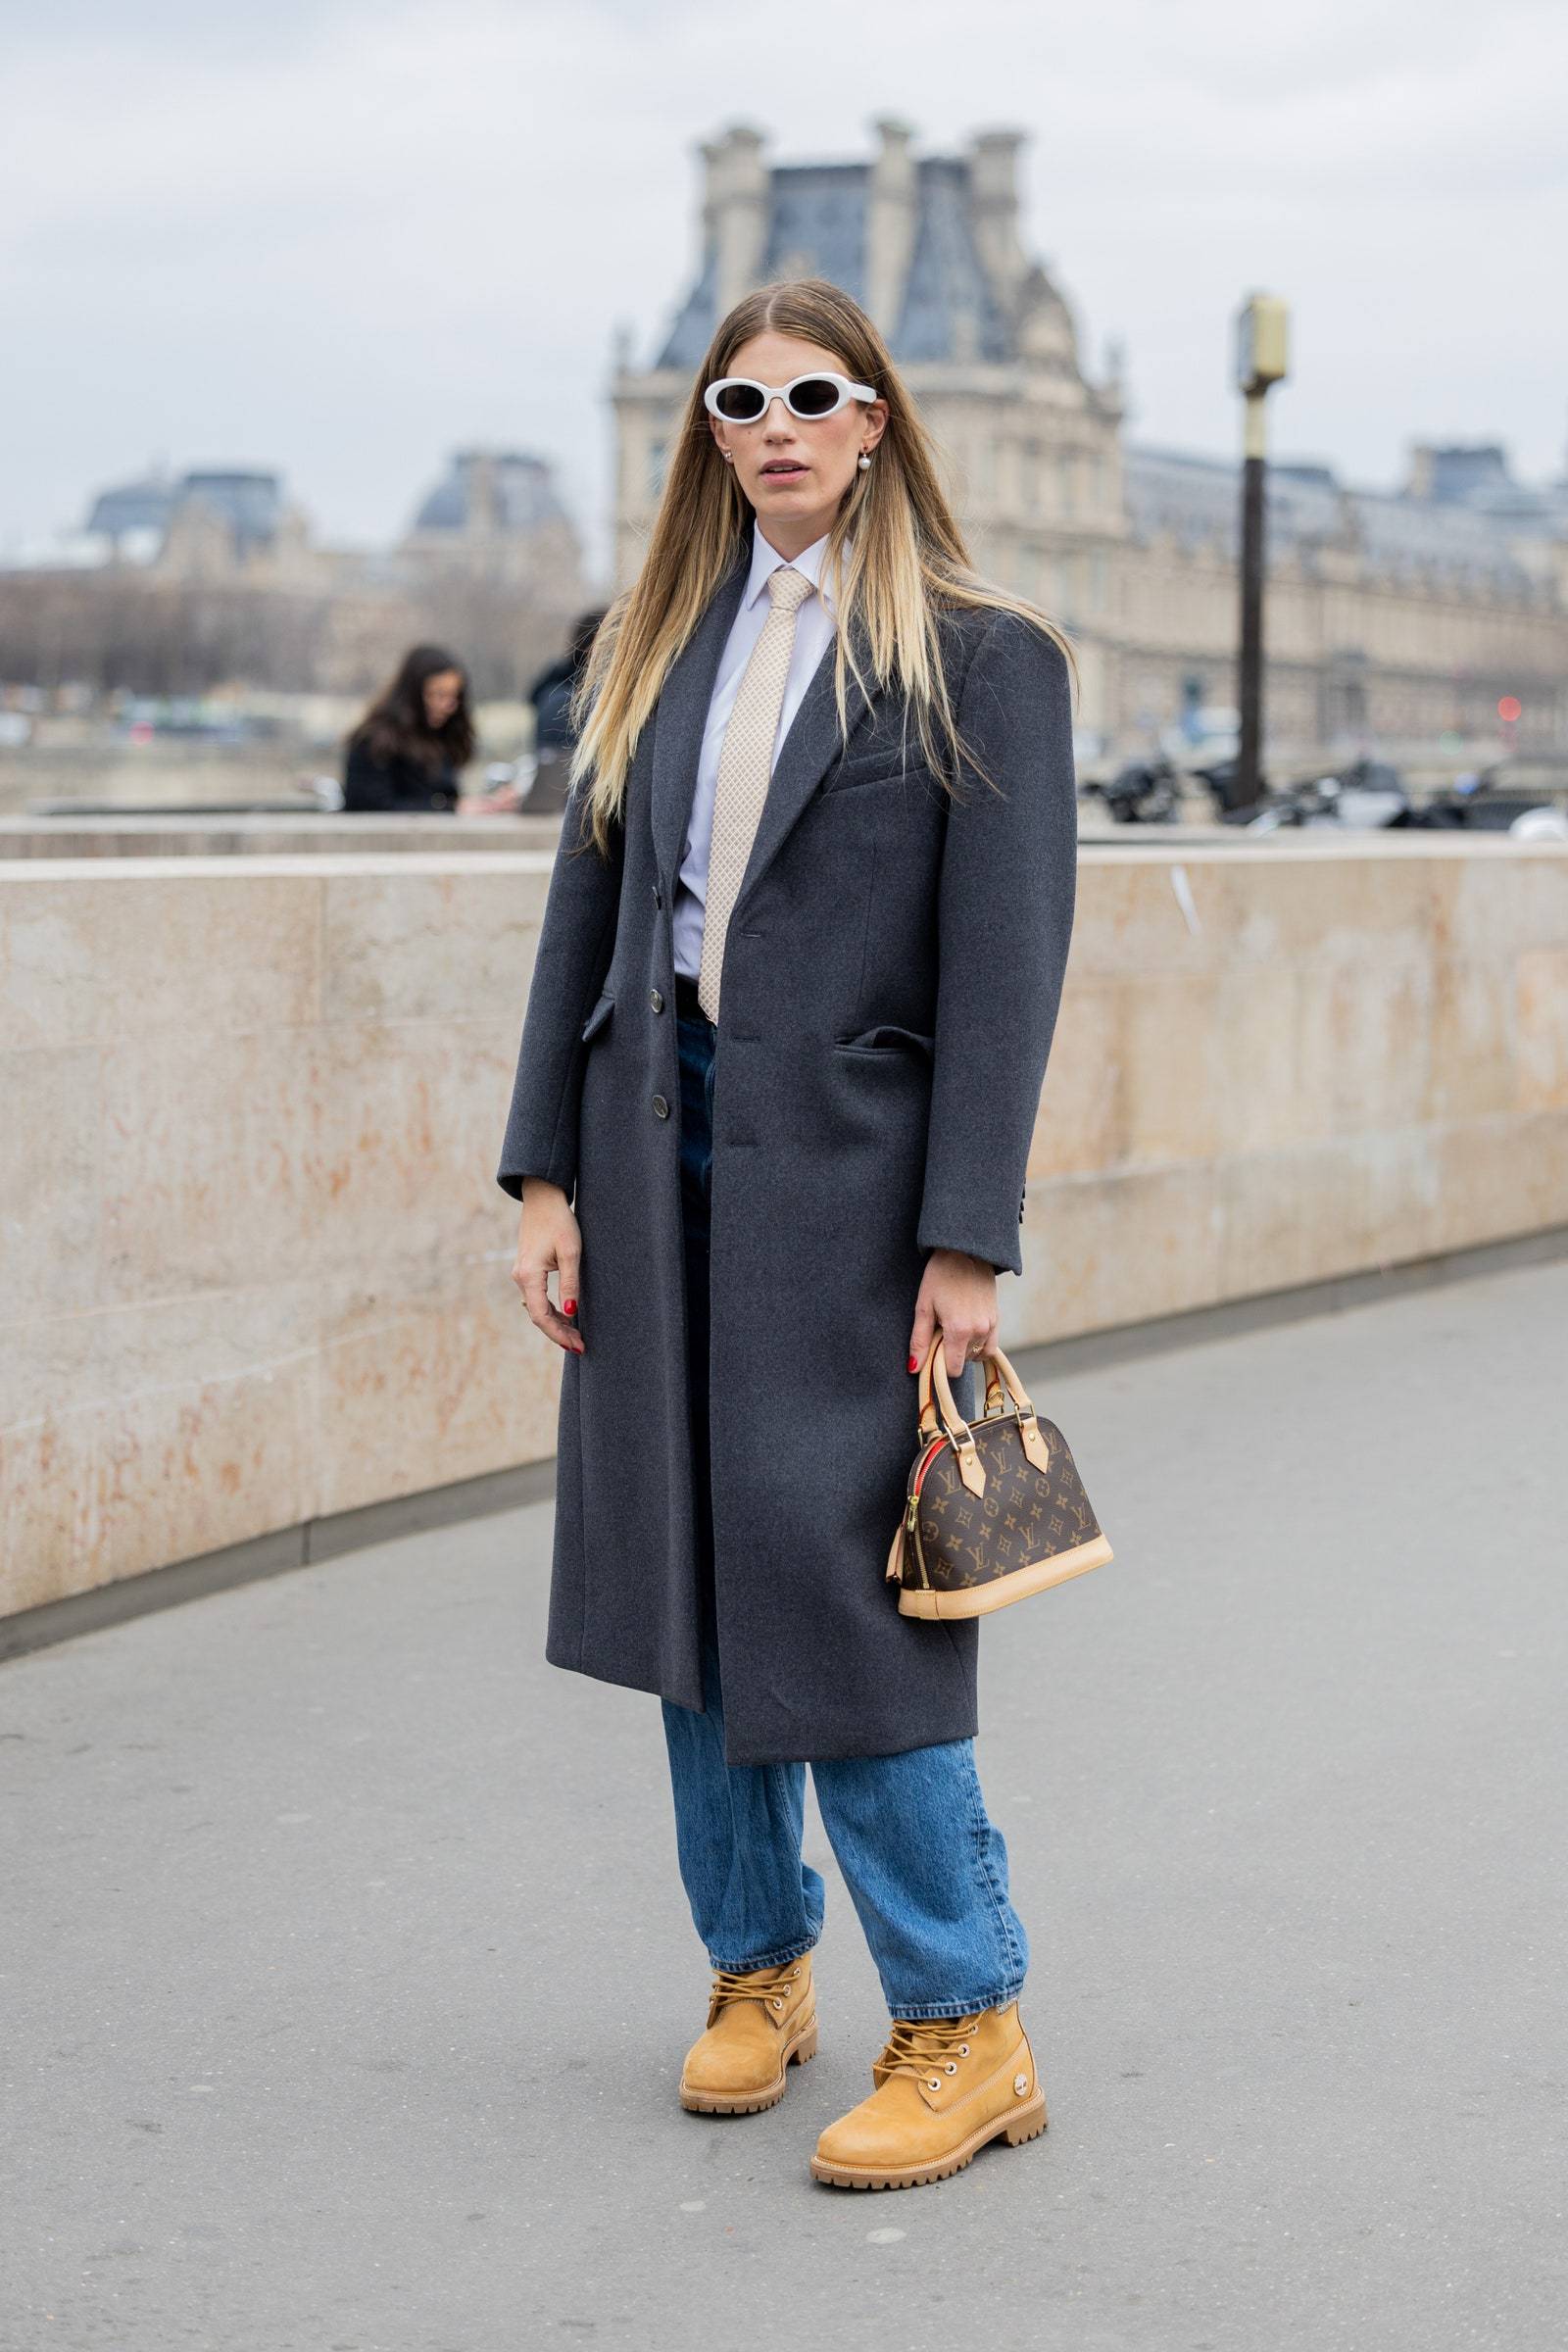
[1276, 1067]
[269, 834]
[253, 1264]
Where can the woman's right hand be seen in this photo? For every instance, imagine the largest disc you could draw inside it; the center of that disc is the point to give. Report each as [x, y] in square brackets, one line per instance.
[549, 1237]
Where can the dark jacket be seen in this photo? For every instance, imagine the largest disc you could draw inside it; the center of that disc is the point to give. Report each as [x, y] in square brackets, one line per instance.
[553, 737]
[892, 971]
[397, 783]
[550, 696]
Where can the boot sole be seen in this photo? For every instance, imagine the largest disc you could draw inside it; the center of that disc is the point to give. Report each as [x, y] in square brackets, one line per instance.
[1027, 2122]
[754, 2102]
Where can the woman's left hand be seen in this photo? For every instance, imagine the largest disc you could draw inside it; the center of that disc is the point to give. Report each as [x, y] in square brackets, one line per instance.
[959, 1292]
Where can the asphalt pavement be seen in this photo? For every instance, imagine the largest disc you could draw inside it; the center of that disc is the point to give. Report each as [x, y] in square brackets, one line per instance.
[345, 1974]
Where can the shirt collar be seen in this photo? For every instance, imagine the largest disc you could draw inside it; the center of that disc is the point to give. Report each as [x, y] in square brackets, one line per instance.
[766, 560]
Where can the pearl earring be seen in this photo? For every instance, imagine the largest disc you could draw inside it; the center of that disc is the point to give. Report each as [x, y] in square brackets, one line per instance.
[864, 462]
[729, 456]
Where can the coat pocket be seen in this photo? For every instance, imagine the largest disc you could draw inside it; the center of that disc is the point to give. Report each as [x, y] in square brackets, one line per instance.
[887, 1038]
[884, 767]
[599, 1016]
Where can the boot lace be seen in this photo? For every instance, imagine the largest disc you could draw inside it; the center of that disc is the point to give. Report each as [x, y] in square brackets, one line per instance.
[927, 2047]
[767, 1986]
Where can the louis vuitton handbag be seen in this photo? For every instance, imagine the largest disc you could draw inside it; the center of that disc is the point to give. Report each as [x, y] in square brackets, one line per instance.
[994, 1510]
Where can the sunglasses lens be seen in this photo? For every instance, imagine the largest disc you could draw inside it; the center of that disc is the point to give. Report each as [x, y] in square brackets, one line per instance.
[814, 396]
[742, 404]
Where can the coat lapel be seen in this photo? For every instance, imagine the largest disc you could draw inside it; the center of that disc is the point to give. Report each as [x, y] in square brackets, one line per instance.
[804, 757]
[805, 754]
[682, 715]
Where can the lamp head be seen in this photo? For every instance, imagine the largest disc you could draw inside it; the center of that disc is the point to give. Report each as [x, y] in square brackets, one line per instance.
[1263, 343]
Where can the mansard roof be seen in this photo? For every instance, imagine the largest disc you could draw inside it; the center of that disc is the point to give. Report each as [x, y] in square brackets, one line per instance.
[251, 502]
[816, 227]
[510, 490]
[1197, 499]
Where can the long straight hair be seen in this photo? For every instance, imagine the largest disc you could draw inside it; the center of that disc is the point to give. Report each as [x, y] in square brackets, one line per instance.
[896, 557]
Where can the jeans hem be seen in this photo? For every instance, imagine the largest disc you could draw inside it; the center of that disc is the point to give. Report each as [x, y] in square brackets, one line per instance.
[745, 1968]
[1000, 1998]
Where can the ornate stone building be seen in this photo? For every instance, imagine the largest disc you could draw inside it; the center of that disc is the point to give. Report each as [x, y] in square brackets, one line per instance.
[498, 518]
[1395, 619]
[179, 583]
[1398, 618]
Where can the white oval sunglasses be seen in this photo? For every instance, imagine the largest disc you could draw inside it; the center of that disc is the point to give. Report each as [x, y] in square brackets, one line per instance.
[742, 399]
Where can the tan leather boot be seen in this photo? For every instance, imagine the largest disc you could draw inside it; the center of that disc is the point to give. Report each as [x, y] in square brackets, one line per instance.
[944, 2087]
[757, 2022]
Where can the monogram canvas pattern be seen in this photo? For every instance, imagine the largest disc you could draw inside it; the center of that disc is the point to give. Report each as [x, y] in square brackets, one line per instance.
[744, 770]
[1023, 1516]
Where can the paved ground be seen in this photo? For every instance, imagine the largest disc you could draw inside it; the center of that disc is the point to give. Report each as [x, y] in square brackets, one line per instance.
[346, 1975]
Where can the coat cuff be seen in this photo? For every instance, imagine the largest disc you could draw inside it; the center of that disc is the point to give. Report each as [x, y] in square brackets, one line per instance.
[955, 1233]
[524, 1154]
[512, 1180]
[998, 1247]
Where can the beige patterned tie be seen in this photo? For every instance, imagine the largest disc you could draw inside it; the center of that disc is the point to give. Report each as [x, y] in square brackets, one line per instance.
[744, 770]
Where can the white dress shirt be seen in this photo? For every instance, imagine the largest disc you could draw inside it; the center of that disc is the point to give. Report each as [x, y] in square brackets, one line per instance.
[814, 634]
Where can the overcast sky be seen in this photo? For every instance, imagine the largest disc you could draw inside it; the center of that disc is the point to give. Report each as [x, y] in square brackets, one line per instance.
[342, 236]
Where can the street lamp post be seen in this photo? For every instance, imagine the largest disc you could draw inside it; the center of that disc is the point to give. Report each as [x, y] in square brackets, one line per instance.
[1261, 343]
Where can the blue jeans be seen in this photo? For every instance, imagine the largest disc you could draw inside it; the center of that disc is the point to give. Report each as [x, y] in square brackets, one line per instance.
[926, 1869]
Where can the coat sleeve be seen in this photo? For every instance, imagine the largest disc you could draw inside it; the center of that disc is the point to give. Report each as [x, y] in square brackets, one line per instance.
[1005, 908]
[576, 944]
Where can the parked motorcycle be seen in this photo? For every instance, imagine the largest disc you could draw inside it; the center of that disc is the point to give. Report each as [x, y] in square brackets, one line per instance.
[1369, 797]
[1366, 797]
[1146, 792]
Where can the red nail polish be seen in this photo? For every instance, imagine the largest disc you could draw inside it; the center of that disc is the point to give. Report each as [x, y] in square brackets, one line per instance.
[915, 1363]
[568, 1306]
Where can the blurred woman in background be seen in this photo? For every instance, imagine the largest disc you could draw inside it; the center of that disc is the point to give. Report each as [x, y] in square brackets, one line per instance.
[555, 738]
[407, 749]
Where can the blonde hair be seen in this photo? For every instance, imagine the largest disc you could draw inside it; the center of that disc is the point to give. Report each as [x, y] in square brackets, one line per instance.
[896, 557]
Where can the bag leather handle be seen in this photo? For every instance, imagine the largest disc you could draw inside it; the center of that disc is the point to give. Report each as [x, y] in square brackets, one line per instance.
[999, 1375]
[926, 1399]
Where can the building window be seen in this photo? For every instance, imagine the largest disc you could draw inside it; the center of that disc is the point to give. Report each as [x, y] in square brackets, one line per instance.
[657, 452]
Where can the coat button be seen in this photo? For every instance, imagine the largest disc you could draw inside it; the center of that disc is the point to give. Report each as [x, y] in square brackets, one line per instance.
[661, 1107]
[656, 999]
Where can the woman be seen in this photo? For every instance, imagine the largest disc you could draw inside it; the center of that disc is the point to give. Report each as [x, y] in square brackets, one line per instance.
[407, 750]
[795, 990]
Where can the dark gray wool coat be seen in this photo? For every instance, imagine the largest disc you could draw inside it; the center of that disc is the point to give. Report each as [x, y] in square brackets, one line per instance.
[890, 984]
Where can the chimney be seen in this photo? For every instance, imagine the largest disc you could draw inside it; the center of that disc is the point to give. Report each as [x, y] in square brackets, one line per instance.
[994, 207]
[735, 211]
[889, 222]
